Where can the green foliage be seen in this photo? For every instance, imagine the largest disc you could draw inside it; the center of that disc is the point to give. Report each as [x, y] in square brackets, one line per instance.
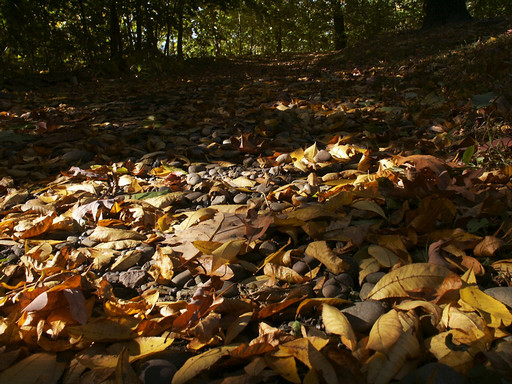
[56, 35]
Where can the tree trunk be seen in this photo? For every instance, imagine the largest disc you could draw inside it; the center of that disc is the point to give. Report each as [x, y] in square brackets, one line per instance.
[340, 36]
[115, 34]
[442, 12]
[179, 43]
[87, 36]
[139, 21]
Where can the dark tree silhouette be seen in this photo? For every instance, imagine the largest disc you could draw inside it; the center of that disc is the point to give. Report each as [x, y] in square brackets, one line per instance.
[442, 12]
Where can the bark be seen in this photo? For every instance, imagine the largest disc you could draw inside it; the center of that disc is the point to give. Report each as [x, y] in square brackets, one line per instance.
[340, 36]
[179, 43]
[442, 12]
[115, 33]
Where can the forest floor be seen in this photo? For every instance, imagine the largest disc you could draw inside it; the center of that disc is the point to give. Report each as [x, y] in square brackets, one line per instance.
[307, 218]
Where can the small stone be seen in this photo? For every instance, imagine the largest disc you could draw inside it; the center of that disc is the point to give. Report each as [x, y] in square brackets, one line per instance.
[181, 278]
[206, 131]
[374, 277]
[193, 179]
[132, 278]
[218, 200]
[331, 290]
[262, 188]
[285, 158]
[240, 198]
[331, 281]
[300, 267]
[365, 290]
[156, 371]
[196, 168]
[267, 247]
[239, 272]
[229, 289]
[88, 242]
[322, 156]
[274, 171]
[502, 294]
[434, 373]
[277, 206]
[112, 277]
[364, 314]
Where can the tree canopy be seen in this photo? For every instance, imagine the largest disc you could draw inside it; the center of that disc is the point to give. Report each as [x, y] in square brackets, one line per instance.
[69, 34]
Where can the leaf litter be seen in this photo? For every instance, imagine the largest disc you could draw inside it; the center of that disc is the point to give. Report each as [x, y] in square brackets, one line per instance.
[331, 222]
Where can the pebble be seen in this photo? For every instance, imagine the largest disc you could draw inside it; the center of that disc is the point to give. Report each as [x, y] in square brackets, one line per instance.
[322, 156]
[229, 289]
[285, 158]
[192, 196]
[88, 242]
[240, 198]
[156, 371]
[274, 171]
[365, 290]
[300, 267]
[218, 200]
[331, 290]
[267, 247]
[132, 278]
[262, 188]
[277, 206]
[181, 278]
[112, 277]
[364, 314]
[374, 277]
[433, 373]
[502, 294]
[196, 168]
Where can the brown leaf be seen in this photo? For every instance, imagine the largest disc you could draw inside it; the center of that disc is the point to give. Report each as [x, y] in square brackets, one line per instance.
[321, 251]
[488, 246]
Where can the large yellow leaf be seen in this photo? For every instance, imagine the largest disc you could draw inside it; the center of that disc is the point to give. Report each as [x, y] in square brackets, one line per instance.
[383, 368]
[385, 332]
[237, 326]
[104, 234]
[446, 351]
[384, 256]
[226, 252]
[336, 322]
[196, 364]
[38, 367]
[321, 251]
[307, 351]
[369, 205]
[433, 309]
[317, 301]
[409, 281]
[285, 366]
[494, 312]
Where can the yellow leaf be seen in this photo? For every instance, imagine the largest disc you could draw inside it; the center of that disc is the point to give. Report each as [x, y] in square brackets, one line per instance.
[199, 363]
[237, 326]
[385, 332]
[307, 351]
[104, 234]
[429, 307]
[488, 246]
[409, 280]
[126, 260]
[321, 251]
[285, 366]
[384, 256]
[38, 367]
[226, 252]
[311, 152]
[369, 205]
[493, 311]
[197, 217]
[383, 368]
[282, 273]
[336, 322]
[207, 247]
[101, 330]
[317, 301]
[124, 371]
[368, 266]
[449, 353]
